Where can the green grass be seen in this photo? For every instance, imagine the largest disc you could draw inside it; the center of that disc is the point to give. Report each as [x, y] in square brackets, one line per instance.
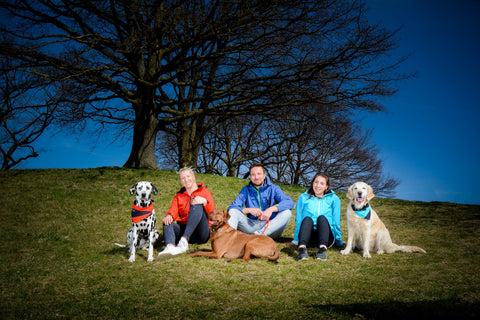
[58, 259]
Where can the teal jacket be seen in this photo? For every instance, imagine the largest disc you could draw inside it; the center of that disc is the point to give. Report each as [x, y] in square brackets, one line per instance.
[313, 207]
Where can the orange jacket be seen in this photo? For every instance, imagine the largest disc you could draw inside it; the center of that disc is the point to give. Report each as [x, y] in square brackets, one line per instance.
[180, 206]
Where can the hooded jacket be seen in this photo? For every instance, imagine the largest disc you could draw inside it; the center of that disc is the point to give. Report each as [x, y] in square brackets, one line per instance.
[180, 206]
[313, 207]
[266, 196]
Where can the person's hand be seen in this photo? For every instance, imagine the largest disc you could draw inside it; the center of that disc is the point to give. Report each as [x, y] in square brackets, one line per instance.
[167, 220]
[268, 213]
[256, 212]
[199, 200]
[265, 215]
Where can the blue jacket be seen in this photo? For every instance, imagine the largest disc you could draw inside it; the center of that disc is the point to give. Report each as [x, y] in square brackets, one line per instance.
[266, 196]
[313, 207]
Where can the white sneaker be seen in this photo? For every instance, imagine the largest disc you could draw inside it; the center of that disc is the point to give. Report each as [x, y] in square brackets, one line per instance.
[182, 245]
[169, 250]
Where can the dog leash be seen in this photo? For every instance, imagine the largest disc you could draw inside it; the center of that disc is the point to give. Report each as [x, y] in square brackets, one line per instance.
[266, 226]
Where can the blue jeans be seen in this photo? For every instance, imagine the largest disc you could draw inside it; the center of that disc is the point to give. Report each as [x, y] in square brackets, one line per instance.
[275, 227]
[196, 230]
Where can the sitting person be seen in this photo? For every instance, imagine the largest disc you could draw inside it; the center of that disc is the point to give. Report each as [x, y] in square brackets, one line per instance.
[187, 219]
[317, 219]
[261, 207]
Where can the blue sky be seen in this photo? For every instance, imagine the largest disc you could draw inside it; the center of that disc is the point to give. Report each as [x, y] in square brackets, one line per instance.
[429, 137]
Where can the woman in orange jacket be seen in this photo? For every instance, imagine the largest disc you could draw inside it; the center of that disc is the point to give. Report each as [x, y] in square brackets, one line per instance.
[187, 219]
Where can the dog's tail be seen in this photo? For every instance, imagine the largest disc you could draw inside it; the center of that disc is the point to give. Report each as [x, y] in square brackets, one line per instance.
[121, 245]
[411, 249]
[275, 255]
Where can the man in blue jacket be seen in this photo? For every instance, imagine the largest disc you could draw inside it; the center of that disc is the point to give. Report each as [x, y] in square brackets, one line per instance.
[261, 207]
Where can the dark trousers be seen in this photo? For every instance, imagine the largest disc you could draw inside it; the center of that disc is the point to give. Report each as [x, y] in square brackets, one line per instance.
[196, 230]
[323, 235]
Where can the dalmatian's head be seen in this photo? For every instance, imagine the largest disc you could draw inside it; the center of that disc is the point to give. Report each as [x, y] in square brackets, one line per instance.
[143, 191]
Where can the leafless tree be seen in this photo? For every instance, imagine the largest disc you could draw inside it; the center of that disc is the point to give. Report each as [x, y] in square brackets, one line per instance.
[341, 149]
[26, 110]
[181, 67]
[295, 146]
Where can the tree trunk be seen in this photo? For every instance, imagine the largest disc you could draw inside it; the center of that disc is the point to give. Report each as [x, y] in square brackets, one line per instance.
[143, 147]
[189, 140]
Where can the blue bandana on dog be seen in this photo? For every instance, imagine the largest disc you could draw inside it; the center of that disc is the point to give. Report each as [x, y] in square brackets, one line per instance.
[364, 212]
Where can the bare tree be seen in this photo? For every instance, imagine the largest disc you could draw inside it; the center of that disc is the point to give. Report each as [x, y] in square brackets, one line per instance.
[23, 116]
[295, 146]
[181, 67]
[235, 143]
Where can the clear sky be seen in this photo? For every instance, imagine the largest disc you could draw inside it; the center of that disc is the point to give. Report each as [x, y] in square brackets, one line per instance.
[429, 138]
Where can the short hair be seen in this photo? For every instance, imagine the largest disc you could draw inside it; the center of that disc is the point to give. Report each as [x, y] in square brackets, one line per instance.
[257, 164]
[186, 169]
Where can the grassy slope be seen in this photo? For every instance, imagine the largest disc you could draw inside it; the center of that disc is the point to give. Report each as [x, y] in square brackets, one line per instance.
[58, 259]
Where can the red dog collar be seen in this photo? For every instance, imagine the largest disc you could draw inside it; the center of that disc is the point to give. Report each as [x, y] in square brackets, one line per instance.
[140, 213]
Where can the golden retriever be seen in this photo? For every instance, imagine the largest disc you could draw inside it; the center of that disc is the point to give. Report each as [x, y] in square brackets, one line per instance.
[365, 229]
[233, 244]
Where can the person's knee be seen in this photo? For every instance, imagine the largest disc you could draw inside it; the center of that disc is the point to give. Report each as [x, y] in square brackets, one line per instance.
[307, 221]
[285, 214]
[322, 218]
[234, 217]
[234, 212]
[196, 209]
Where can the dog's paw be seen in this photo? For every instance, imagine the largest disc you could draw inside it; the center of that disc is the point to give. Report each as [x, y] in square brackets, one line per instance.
[367, 255]
[150, 259]
[131, 259]
[345, 251]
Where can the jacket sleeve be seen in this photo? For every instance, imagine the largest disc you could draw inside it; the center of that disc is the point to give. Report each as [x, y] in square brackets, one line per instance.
[239, 202]
[173, 211]
[284, 202]
[298, 218]
[336, 221]
[210, 203]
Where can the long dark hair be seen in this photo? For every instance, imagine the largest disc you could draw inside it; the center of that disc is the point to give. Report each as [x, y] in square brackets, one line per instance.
[310, 190]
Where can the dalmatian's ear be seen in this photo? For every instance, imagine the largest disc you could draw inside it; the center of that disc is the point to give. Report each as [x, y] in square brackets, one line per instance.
[133, 188]
[154, 189]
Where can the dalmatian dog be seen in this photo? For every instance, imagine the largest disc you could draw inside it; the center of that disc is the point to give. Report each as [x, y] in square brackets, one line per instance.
[143, 234]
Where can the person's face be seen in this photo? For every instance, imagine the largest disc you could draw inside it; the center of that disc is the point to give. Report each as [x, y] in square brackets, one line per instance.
[187, 179]
[319, 186]
[257, 176]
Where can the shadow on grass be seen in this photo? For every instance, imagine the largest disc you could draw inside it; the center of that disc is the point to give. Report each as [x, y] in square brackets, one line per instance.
[438, 309]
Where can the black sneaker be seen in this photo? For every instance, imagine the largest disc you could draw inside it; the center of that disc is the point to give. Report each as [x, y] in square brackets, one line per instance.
[302, 254]
[321, 254]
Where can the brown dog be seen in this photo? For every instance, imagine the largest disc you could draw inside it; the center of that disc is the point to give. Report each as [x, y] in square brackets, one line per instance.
[368, 233]
[233, 244]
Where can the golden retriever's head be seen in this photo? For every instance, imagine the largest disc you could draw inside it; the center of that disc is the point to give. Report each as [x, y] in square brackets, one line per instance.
[218, 218]
[360, 194]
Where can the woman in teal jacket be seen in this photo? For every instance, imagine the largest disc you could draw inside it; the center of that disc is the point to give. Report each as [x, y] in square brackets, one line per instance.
[317, 215]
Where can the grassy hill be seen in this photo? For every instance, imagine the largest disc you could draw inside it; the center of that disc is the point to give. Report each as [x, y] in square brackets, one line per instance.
[58, 259]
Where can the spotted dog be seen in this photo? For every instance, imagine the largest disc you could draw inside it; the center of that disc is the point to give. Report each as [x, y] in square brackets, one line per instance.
[143, 234]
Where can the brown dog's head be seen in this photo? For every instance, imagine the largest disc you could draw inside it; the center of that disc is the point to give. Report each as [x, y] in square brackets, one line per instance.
[218, 218]
[360, 194]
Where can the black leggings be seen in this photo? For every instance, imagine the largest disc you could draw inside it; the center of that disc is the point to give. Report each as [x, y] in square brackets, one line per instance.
[322, 236]
[196, 230]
